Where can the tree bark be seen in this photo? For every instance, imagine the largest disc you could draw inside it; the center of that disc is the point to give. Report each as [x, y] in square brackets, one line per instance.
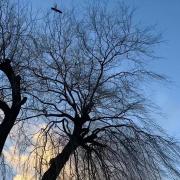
[59, 161]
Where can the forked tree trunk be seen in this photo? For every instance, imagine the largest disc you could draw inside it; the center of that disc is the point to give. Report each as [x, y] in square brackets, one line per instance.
[59, 161]
[10, 113]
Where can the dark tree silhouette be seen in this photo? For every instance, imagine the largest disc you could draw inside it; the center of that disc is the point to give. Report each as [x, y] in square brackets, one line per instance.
[88, 82]
[10, 113]
[15, 27]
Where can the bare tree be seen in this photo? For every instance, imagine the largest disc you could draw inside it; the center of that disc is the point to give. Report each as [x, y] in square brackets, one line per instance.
[10, 113]
[88, 88]
[15, 29]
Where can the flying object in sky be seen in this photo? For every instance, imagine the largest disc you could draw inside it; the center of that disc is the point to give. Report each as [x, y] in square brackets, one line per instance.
[55, 8]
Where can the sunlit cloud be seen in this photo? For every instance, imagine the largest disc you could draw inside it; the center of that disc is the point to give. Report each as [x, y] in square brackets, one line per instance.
[21, 177]
[29, 163]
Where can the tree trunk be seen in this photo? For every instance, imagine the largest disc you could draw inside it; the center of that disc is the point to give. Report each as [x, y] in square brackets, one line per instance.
[59, 161]
[5, 129]
[12, 112]
[6, 126]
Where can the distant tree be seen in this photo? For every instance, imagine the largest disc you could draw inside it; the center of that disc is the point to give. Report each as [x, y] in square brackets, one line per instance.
[88, 84]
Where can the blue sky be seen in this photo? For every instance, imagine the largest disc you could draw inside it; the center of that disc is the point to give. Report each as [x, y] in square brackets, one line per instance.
[165, 14]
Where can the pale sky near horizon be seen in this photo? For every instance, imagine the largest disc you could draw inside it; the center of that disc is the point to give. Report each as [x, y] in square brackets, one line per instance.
[165, 14]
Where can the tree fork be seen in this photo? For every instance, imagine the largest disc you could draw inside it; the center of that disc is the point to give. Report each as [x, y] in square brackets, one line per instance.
[12, 112]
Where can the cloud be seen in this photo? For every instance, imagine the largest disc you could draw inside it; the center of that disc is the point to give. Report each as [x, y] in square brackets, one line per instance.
[22, 177]
[35, 158]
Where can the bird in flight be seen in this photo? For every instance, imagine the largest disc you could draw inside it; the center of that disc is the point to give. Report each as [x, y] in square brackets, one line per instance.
[55, 8]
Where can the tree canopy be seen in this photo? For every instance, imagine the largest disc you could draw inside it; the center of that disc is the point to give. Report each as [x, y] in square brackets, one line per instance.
[73, 89]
